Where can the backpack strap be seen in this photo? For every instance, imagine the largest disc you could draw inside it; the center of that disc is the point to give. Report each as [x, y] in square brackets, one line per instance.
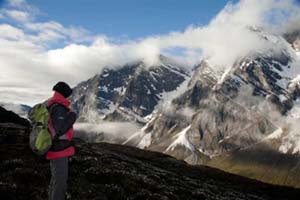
[50, 108]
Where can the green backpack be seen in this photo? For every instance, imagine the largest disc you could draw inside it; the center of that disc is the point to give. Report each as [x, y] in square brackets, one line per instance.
[40, 137]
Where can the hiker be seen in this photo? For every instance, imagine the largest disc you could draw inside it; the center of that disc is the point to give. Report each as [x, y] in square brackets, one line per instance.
[61, 123]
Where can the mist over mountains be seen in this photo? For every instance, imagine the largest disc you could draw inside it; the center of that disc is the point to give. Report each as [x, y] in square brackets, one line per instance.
[229, 100]
[213, 114]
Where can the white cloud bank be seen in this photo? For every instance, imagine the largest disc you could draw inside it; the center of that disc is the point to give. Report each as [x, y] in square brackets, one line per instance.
[29, 66]
[112, 132]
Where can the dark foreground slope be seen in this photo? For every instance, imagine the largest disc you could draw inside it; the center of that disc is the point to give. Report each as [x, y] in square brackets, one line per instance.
[107, 171]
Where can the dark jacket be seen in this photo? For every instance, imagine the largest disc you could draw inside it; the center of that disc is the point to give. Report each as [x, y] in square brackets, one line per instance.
[61, 127]
[62, 119]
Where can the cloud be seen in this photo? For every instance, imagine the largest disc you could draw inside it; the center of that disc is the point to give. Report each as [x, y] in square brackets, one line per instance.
[23, 5]
[112, 132]
[43, 33]
[18, 15]
[52, 30]
[9, 32]
[17, 3]
[231, 34]
[38, 54]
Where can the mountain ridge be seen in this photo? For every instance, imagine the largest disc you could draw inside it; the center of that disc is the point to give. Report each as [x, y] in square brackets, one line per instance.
[232, 111]
[114, 90]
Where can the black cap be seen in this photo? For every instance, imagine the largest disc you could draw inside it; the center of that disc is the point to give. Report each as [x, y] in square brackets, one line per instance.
[63, 88]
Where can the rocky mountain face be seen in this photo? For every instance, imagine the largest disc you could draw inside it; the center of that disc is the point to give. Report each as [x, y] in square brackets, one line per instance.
[294, 39]
[117, 172]
[127, 93]
[222, 117]
[219, 117]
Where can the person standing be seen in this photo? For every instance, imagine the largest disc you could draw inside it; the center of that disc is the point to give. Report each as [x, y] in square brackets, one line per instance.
[61, 123]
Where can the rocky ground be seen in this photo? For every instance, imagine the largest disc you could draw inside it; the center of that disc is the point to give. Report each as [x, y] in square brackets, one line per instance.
[107, 171]
[110, 171]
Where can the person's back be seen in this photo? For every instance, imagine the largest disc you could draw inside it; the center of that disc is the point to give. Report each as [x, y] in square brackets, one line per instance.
[61, 130]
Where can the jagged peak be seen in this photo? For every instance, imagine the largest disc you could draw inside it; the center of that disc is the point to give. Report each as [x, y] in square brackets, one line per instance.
[142, 65]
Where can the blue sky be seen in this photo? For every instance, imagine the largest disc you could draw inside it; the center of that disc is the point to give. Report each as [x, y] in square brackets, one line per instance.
[131, 18]
[46, 41]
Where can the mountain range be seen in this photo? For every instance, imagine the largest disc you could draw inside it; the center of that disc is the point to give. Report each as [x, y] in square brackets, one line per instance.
[129, 92]
[242, 119]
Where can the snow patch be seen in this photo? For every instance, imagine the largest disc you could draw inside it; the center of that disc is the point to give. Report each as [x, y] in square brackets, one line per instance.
[167, 97]
[131, 115]
[182, 140]
[120, 90]
[148, 91]
[146, 141]
[285, 147]
[148, 117]
[143, 107]
[110, 109]
[103, 88]
[295, 112]
[226, 138]
[282, 97]
[276, 134]
[173, 69]
[290, 142]
[288, 135]
[295, 81]
[105, 75]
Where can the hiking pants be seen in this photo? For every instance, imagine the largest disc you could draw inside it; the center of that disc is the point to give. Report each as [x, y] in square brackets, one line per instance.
[59, 177]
